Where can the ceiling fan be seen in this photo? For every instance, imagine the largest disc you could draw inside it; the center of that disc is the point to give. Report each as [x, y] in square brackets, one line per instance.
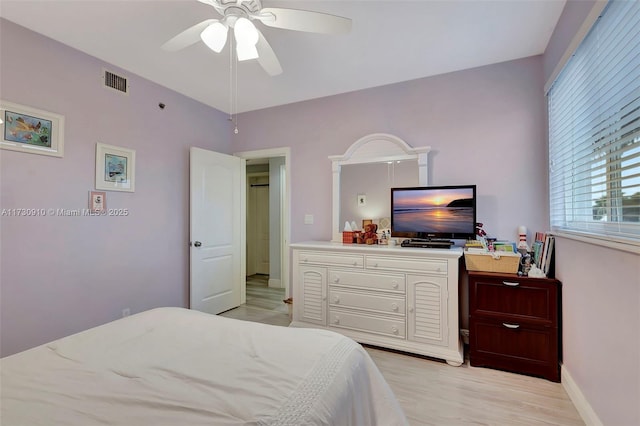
[250, 43]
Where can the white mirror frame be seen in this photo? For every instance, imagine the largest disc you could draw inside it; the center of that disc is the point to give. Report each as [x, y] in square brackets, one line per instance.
[374, 148]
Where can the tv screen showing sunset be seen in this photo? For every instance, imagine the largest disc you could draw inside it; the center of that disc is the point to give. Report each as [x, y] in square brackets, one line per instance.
[434, 210]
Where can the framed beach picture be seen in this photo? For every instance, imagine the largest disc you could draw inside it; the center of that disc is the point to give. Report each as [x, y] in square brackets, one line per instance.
[115, 168]
[31, 130]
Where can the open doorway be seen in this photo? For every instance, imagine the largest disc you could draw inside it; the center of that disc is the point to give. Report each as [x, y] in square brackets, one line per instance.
[267, 227]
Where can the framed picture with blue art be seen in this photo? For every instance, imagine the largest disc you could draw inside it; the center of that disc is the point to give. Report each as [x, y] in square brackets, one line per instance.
[115, 168]
[31, 130]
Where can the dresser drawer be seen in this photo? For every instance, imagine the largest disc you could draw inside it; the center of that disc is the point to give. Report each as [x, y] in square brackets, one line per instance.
[522, 300]
[331, 259]
[363, 280]
[432, 266]
[370, 302]
[367, 323]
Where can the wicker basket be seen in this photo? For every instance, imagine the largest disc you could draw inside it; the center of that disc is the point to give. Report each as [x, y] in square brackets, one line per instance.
[493, 262]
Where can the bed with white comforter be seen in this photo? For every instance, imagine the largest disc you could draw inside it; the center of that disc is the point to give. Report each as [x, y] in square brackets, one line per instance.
[173, 366]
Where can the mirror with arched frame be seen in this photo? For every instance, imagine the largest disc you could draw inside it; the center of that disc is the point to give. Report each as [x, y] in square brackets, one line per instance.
[376, 162]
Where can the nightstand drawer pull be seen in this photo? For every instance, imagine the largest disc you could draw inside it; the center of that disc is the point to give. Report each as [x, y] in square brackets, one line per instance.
[511, 326]
[510, 284]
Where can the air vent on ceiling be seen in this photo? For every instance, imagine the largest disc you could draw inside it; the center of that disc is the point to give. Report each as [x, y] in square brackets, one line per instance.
[115, 82]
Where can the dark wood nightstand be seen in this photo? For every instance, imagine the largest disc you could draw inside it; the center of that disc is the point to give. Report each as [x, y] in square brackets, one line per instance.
[515, 323]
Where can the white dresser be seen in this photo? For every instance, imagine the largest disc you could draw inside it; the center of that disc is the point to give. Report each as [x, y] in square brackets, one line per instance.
[388, 296]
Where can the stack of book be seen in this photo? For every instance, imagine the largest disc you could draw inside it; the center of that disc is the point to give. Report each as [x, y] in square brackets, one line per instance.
[542, 249]
[474, 246]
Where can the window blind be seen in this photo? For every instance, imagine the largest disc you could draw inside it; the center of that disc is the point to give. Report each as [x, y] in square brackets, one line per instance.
[594, 131]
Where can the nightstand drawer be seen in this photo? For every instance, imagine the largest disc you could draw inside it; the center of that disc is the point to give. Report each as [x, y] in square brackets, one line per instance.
[368, 302]
[515, 299]
[363, 280]
[515, 347]
[513, 340]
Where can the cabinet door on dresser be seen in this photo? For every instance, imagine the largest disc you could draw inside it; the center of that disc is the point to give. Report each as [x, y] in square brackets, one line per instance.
[427, 307]
[313, 291]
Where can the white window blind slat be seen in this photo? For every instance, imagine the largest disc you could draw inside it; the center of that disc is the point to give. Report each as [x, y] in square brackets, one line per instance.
[594, 131]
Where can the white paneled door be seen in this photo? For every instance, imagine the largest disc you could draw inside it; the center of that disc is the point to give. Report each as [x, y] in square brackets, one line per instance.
[217, 235]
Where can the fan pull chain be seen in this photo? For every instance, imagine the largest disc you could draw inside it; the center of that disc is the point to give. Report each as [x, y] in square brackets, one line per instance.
[231, 79]
[235, 130]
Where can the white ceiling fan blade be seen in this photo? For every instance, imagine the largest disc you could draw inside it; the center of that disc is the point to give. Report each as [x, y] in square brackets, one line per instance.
[304, 20]
[267, 57]
[188, 37]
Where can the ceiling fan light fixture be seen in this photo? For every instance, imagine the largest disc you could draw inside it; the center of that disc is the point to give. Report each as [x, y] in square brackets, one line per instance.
[245, 32]
[215, 36]
[246, 52]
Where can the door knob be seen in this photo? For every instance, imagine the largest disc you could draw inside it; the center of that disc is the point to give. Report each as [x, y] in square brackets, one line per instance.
[197, 244]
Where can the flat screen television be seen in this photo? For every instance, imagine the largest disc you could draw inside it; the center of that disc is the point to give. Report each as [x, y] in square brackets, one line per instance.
[434, 212]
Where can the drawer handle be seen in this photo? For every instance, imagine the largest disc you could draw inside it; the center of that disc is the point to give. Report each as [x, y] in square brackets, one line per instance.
[336, 299]
[305, 260]
[511, 326]
[438, 270]
[394, 307]
[394, 285]
[336, 280]
[355, 263]
[411, 309]
[324, 297]
[510, 284]
[394, 329]
[336, 320]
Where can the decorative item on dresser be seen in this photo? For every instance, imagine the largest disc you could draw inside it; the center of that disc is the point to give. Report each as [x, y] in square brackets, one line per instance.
[398, 298]
[514, 323]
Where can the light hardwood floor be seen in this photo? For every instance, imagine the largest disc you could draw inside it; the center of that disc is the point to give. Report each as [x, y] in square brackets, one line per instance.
[434, 393]
[263, 305]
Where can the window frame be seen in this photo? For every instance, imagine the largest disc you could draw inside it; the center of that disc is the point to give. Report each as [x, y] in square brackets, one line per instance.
[580, 223]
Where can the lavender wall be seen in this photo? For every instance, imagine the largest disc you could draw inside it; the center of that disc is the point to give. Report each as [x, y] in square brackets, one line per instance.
[485, 126]
[60, 275]
[601, 319]
[601, 296]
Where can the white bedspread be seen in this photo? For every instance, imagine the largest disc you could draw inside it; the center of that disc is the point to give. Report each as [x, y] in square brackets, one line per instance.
[173, 366]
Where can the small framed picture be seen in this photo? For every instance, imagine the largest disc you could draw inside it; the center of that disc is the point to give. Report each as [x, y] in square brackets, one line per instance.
[115, 168]
[97, 201]
[31, 130]
[362, 200]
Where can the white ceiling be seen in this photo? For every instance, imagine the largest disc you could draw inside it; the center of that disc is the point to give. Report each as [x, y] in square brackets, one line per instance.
[391, 41]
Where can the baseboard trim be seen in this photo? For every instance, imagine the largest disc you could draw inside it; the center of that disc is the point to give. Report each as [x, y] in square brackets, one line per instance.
[589, 416]
[275, 283]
